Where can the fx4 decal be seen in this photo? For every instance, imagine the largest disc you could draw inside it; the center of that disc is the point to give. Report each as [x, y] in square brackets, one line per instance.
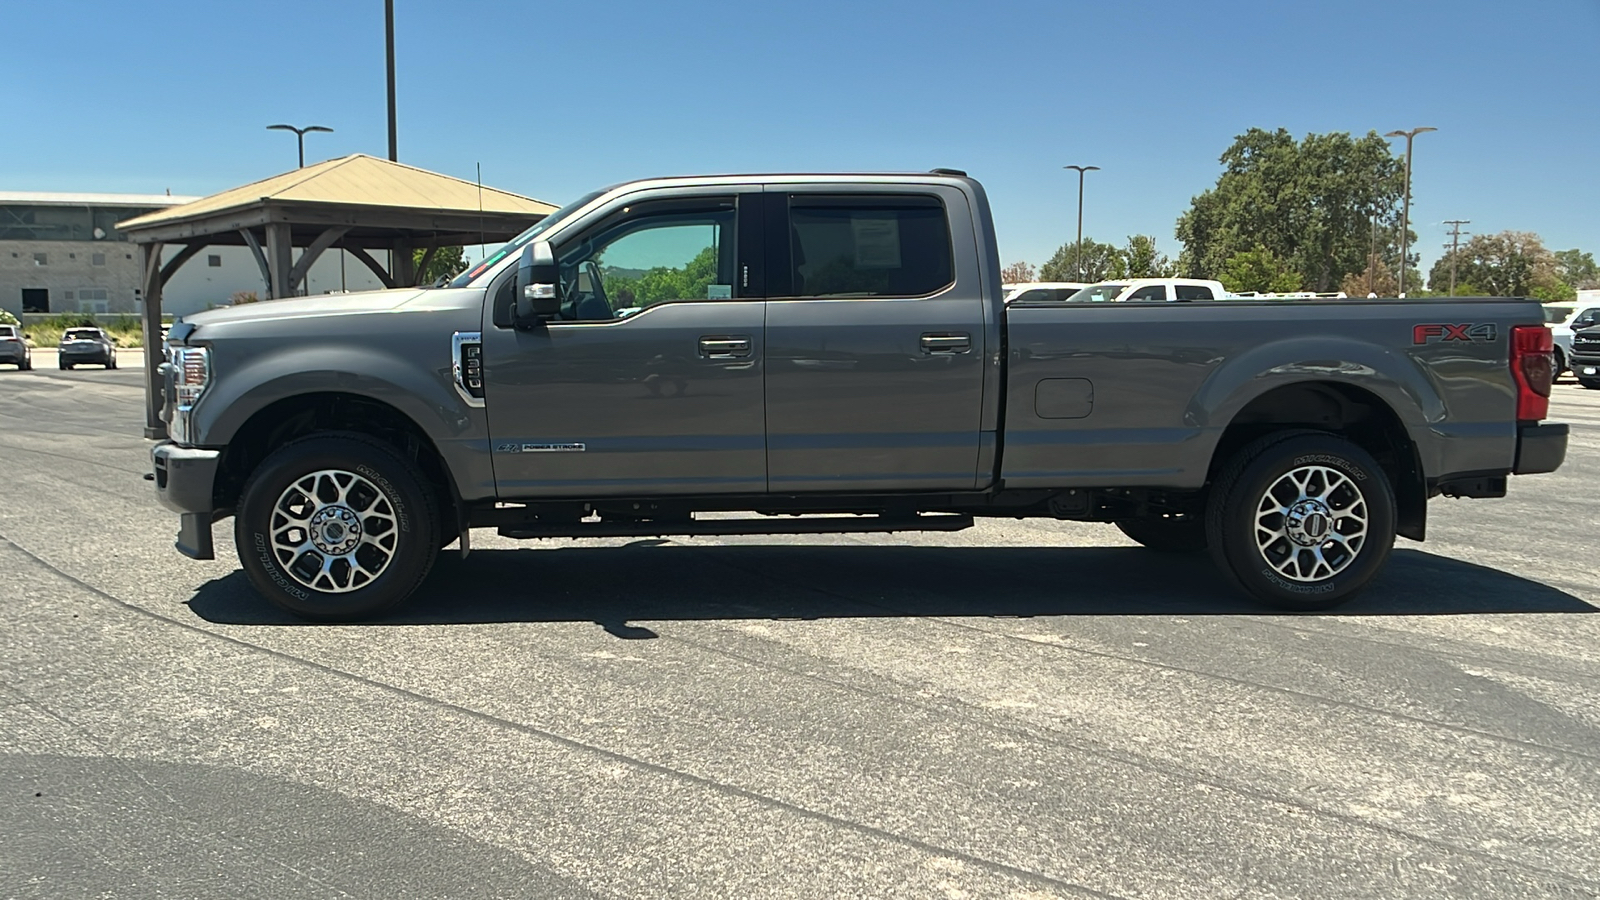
[1430, 334]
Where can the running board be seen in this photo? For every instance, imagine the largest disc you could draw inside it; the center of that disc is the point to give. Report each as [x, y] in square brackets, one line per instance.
[764, 525]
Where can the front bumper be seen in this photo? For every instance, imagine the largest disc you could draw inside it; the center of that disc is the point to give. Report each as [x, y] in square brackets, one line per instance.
[1581, 364]
[1540, 448]
[185, 477]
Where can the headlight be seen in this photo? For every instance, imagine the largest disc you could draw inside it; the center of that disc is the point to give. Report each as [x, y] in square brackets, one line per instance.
[191, 373]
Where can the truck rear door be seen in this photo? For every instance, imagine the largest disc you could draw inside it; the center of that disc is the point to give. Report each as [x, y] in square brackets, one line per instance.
[875, 338]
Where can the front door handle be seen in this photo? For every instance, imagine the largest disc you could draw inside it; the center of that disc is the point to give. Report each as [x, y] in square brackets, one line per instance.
[946, 343]
[725, 346]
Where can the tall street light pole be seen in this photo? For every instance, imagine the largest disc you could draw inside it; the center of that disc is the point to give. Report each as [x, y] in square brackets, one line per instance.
[300, 136]
[388, 37]
[1405, 214]
[1078, 252]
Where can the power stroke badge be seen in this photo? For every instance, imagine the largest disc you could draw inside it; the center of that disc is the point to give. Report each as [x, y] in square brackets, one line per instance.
[540, 448]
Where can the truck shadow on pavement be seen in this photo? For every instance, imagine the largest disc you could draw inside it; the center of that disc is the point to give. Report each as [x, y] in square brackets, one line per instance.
[666, 581]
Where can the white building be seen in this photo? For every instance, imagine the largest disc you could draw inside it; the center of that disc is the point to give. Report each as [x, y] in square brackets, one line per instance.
[61, 253]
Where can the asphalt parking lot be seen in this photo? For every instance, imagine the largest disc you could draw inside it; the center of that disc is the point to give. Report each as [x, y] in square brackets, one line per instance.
[1021, 710]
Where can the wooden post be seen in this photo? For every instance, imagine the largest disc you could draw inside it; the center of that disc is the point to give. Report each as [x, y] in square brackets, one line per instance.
[154, 385]
[400, 267]
[280, 259]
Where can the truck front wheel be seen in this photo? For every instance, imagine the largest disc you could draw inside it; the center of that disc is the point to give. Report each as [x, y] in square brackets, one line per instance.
[1301, 520]
[336, 527]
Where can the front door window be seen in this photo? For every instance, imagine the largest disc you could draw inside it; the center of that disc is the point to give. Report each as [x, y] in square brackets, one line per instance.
[647, 260]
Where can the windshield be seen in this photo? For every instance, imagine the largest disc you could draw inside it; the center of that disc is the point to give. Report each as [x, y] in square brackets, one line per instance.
[1098, 293]
[516, 244]
[1555, 315]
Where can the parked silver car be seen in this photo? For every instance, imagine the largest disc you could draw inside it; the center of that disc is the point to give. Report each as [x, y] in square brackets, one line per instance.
[87, 345]
[14, 349]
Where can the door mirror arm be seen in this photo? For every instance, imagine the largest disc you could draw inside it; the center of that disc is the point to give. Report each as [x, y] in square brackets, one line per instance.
[538, 294]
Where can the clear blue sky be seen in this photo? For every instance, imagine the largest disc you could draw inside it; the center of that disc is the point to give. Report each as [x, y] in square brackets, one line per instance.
[554, 99]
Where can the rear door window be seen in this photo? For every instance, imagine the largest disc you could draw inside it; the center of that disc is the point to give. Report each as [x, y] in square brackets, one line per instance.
[866, 246]
[1192, 292]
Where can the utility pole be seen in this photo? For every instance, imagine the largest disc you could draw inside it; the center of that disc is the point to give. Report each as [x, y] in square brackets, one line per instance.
[1455, 244]
[1078, 252]
[388, 34]
[1405, 215]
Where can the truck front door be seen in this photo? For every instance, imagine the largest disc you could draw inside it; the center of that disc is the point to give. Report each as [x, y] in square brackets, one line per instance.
[651, 380]
[875, 339]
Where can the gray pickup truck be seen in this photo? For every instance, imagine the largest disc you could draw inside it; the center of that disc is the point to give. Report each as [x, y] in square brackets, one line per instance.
[827, 354]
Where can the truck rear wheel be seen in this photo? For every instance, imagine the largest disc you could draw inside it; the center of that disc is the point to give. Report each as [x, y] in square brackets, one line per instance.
[1167, 534]
[1301, 520]
[336, 527]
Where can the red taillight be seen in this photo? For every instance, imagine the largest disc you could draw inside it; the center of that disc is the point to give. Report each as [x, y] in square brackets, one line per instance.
[1533, 366]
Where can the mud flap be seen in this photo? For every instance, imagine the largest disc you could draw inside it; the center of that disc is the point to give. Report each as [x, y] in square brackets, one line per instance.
[194, 536]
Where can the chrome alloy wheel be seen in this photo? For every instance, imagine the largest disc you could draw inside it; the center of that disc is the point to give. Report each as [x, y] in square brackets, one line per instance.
[1311, 523]
[334, 531]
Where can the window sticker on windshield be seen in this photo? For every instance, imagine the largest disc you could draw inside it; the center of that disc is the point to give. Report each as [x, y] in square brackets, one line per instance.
[719, 292]
[877, 239]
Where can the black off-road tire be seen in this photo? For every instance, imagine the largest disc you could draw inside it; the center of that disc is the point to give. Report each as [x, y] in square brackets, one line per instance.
[65, 366]
[1263, 568]
[411, 515]
[111, 361]
[1167, 534]
[1592, 384]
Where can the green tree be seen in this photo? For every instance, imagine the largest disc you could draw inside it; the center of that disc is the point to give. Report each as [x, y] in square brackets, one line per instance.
[1017, 273]
[1508, 264]
[1311, 203]
[691, 282]
[1259, 270]
[1577, 269]
[447, 263]
[1100, 262]
[6, 318]
[1141, 259]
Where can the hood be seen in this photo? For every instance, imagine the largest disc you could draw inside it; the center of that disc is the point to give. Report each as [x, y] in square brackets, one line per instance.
[319, 305]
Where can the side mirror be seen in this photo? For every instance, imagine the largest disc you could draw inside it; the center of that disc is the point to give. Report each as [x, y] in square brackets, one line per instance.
[538, 297]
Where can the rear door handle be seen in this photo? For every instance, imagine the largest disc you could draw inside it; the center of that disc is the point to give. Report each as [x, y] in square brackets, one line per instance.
[946, 343]
[725, 346]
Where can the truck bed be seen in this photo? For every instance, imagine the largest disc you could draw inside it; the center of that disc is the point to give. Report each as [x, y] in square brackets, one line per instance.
[1138, 394]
